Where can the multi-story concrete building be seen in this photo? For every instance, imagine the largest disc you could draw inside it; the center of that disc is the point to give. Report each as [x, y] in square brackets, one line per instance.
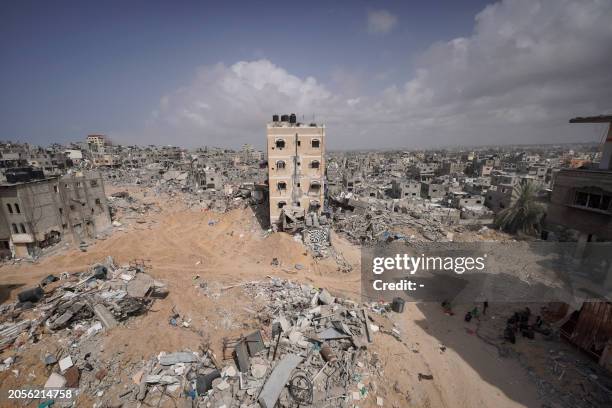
[96, 142]
[405, 188]
[36, 211]
[296, 165]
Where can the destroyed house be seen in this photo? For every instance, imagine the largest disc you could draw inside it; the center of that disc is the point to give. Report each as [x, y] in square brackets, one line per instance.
[499, 197]
[42, 211]
[405, 189]
[433, 190]
[462, 200]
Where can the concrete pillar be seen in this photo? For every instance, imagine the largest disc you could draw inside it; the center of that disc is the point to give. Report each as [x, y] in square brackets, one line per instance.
[606, 156]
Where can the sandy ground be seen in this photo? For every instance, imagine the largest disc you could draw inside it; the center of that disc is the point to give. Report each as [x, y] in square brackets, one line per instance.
[179, 244]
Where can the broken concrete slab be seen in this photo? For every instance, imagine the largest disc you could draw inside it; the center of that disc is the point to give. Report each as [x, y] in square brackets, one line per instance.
[140, 285]
[332, 334]
[62, 320]
[55, 380]
[102, 313]
[277, 380]
[326, 298]
[179, 357]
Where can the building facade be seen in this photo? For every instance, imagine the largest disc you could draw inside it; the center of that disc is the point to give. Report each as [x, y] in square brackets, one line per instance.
[41, 211]
[296, 167]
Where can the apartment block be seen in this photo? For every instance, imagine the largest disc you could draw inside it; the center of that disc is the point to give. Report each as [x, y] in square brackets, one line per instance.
[296, 167]
[37, 211]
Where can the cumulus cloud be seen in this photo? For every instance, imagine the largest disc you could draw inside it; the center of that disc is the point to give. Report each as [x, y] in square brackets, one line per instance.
[528, 66]
[231, 104]
[381, 21]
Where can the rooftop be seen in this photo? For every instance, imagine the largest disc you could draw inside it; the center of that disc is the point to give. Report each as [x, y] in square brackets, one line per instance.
[592, 119]
[297, 124]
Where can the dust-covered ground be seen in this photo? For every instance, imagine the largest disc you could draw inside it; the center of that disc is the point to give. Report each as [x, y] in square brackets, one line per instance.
[183, 248]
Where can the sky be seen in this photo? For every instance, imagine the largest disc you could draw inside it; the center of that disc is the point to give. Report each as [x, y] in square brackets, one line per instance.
[379, 74]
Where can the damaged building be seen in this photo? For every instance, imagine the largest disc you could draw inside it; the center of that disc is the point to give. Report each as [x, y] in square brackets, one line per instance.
[296, 164]
[39, 211]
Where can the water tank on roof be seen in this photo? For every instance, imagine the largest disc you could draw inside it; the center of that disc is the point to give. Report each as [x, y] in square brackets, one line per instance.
[292, 118]
[274, 118]
[284, 118]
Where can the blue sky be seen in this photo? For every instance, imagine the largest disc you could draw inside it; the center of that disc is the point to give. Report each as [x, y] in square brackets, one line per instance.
[198, 73]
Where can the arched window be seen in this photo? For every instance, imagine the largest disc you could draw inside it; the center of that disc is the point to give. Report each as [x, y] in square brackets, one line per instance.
[314, 164]
[315, 187]
[281, 185]
[10, 208]
[17, 210]
[15, 229]
[315, 143]
[23, 229]
[280, 165]
[280, 143]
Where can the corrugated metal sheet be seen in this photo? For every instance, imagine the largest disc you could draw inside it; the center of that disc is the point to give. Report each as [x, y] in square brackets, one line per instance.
[593, 328]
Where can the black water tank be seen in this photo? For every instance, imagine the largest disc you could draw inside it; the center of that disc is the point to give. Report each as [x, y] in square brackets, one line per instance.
[292, 118]
[274, 118]
[398, 305]
[285, 118]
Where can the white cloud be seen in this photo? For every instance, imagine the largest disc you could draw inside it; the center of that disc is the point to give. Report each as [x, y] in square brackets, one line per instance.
[528, 67]
[381, 21]
[229, 105]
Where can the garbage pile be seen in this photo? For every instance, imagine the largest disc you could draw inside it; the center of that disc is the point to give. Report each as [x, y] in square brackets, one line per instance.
[312, 350]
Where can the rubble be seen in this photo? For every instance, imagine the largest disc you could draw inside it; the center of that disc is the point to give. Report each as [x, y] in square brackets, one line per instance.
[290, 360]
[77, 308]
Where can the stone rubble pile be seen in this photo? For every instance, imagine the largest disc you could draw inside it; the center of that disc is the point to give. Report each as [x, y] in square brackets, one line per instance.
[74, 308]
[312, 350]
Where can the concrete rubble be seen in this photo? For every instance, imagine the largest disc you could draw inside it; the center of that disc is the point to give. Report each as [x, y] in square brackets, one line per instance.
[291, 360]
[75, 309]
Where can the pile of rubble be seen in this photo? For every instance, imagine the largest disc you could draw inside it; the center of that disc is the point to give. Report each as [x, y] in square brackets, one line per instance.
[73, 309]
[216, 201]
[124, 207]
[370, 222]
[312, 350]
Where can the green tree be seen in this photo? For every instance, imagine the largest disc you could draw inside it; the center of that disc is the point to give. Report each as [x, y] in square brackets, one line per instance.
[526, 212]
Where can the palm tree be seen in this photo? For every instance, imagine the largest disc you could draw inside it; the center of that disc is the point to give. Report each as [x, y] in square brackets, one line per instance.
[525, 214]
